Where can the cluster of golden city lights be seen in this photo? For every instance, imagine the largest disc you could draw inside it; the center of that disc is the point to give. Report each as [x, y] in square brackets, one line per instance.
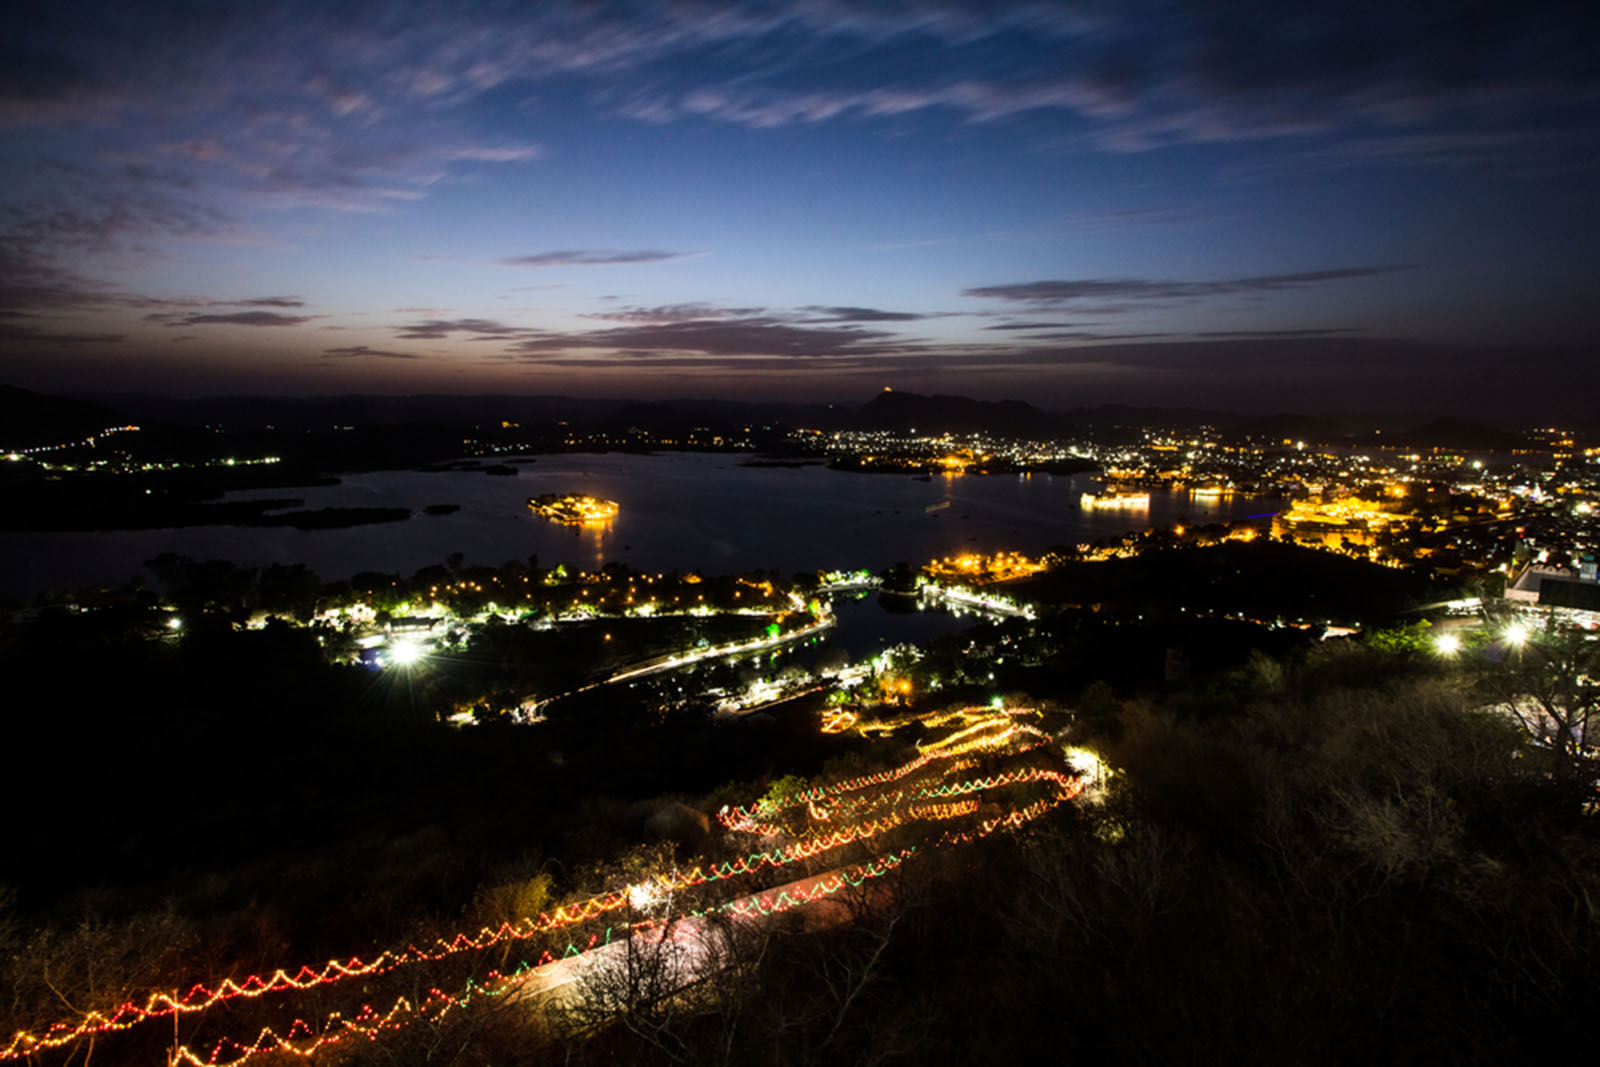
[574, 509]
[979, 569]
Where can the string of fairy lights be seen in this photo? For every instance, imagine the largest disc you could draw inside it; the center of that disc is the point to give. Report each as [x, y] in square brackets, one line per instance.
[302, 1038]
[838, 814]
[199, 998]
[991, 734]
[942, 790]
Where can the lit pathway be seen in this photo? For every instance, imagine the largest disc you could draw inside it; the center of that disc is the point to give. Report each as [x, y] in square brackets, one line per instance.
[684, 659]
[685, 950]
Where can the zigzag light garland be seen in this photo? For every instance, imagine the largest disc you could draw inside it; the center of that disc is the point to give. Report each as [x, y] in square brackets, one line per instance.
[845, 809]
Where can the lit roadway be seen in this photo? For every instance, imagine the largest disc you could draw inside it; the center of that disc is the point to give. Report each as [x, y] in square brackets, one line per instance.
[684, 659]
[977, 601]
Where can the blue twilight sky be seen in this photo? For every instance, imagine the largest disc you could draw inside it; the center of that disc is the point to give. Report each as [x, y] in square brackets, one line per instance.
[1363, 205]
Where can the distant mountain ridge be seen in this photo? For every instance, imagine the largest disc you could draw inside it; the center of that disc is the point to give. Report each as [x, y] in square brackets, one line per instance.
[1288, 427]
[1457, 434]
[902, 412]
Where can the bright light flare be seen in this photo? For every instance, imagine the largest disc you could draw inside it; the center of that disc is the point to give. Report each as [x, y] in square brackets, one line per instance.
[643, 897]
[405, 653]
[1447, 644]
[1516, 634]
[1086, 762]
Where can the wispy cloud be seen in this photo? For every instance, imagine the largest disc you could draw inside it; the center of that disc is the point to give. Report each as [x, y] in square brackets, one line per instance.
[269, 302]
[495, 153]
[588, 257]
[435, 329]
[1198, 74]
[980, 101]
[30, 281]
[14, 332]
[135, 301]
[636, 362]
[1326, 332]
[1143, 289]
[236, 318]
[759, 336]
[1096, 336]
[691, 312]
[353, 351]
[860, 314]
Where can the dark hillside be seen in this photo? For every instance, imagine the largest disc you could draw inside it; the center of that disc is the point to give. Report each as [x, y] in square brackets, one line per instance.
[28, 419]
[901, 412]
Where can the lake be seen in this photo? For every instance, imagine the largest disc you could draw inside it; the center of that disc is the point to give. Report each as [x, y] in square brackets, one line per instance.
[679, 511]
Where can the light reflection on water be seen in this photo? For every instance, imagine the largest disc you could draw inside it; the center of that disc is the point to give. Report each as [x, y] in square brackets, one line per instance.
[679, 511]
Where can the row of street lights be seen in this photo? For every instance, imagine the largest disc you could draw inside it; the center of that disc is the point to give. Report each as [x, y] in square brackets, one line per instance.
[1515, 635]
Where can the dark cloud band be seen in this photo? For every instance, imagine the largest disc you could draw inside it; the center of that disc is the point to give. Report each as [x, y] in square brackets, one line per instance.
[1065, 291]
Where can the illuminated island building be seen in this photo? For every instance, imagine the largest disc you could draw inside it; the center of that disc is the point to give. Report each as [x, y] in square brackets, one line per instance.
[1114, 499]
[573, 509]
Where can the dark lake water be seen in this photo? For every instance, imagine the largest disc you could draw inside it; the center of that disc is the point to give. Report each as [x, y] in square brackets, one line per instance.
[678, 511]
[866, 627]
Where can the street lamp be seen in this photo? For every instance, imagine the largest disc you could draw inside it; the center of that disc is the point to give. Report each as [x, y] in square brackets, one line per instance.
[1447, 644]
[1516, 634]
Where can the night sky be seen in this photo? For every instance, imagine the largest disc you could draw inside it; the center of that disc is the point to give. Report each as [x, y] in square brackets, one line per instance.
[1359, 206]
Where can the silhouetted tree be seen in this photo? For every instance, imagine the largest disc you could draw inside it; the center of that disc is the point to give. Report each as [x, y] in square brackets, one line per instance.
[1548, 679]
[289, 590]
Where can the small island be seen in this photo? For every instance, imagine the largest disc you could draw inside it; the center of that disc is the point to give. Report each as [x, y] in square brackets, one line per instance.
[573, 509]
[1114, 499]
